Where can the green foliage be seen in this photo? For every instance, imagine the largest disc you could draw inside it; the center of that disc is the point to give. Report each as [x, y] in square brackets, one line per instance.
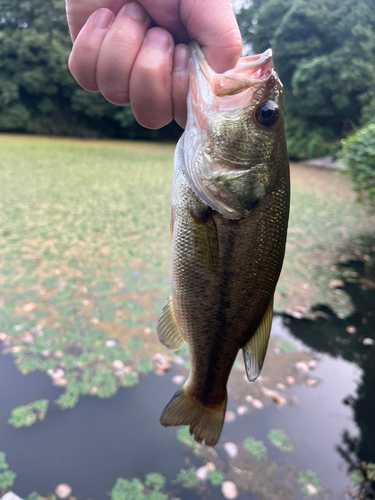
[256, 448]
[7, 477]
[129, 379]
[324, 54]
[3, 463]
[215, 477]
[358, 152]
[155, 480]
[128, 490]
[135, 343]
[34, 496]
[308, 477]
[280, 440]
[144, 365]
[183, 435]
[187, 478]
[105, 382]
[25, 416]
[357, 476]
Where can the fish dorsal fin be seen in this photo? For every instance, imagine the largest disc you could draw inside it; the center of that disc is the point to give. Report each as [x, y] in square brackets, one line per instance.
[206, 243]
[167, 328]
[255, 350]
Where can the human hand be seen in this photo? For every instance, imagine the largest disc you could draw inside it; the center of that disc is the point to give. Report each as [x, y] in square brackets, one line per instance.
[115, 51]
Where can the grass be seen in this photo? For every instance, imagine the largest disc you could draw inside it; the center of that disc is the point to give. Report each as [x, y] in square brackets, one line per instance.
[85, 254]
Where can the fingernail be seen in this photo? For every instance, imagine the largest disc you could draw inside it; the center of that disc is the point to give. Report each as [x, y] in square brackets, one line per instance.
[103, 18]
[158, 38]
[180, 58]
[134, 10]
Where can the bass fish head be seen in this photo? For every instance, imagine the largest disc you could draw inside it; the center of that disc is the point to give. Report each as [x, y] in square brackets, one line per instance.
[234, 139]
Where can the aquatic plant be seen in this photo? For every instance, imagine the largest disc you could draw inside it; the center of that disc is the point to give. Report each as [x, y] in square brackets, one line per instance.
[215, 477]
[128, 490]
[129, 379]
[157, 495]
[357, 476]
[105, 383]
[155, 481]
[27, 415]
[144, 365]
[67, 400]
[280, 440]
[187, 478]
[135, 343]
[7, 477]
[183, 435]
[34, 496]
[256, 448]
[306, 478]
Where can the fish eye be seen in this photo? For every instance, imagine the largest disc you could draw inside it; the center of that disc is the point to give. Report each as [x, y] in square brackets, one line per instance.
[267, 113]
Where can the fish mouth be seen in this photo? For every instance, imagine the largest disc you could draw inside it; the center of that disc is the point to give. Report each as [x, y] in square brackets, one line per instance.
[218, 104]
[249, 71]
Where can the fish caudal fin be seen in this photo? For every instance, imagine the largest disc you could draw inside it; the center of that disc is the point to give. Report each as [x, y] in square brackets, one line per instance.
[167, 328]
[255, 350]
[205, 423]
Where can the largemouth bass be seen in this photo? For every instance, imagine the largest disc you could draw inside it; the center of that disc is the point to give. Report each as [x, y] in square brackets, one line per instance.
[230, 207]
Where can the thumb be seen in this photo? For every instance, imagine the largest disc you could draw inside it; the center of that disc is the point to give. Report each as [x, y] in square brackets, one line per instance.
[213, 25]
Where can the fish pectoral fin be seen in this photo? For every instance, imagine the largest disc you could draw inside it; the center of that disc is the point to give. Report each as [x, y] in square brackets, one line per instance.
[206, 242]
[255, 350]
[205, 423]
[167, 328]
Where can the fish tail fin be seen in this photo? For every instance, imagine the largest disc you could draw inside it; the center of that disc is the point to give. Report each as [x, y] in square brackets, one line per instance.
[205, 423]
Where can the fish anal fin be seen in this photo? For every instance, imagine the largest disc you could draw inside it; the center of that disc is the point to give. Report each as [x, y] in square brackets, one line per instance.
[205, 423]
[255, 350]
[206, 243]
[167, 328]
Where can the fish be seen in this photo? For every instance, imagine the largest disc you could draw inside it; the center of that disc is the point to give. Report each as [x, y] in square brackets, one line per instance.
[229, 218]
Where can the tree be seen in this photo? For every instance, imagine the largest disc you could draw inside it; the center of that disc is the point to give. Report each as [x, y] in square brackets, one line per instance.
[324, 53]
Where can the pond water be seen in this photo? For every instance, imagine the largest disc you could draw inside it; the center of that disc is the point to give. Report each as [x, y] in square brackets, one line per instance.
[98, 441]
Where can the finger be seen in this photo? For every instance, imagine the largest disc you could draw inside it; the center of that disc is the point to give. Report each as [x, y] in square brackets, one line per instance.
[78, 11]
[210, 22]
[213, 25]
[119, 51]
[151, 80]
[180, 84]
[84, 56]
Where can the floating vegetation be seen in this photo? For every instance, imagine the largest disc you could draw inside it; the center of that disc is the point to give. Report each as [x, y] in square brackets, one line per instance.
[357, 476]
[285, 346]
[129, 379]
[279, 439]
[128, 490]
[310, 482]
[144, 365]
[7, 477]
[25, 416]
[187, 478]
[135, 490]
[255, 448]
[215, 477]
[183, 435]
[155, 481]
[135, 343]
